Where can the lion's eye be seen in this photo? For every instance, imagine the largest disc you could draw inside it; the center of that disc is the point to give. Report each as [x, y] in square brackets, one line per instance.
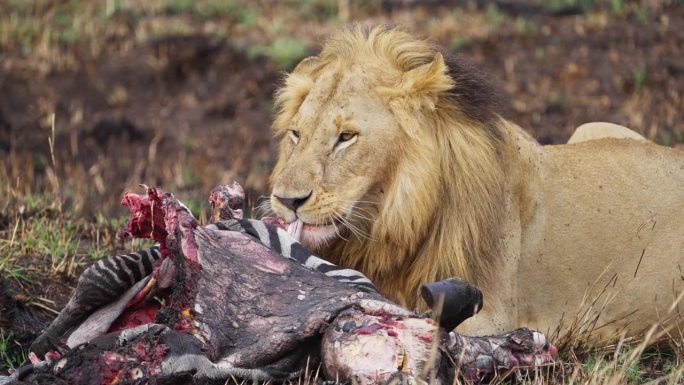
[346, 138]
[294, 135]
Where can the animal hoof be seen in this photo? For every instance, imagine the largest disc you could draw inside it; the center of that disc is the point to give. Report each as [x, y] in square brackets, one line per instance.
[517, 351]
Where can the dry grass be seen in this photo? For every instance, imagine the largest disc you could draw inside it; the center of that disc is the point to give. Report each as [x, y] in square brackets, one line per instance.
[42, 37]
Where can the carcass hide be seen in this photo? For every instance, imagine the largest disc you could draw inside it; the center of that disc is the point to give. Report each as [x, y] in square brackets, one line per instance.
[221, 305]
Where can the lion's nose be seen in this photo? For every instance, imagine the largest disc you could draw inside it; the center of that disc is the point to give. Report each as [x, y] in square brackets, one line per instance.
[293, 203]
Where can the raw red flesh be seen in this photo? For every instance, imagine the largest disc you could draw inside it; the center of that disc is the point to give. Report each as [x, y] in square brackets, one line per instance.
[227, 202]
[147, 217]
[136, 316]
[277, 222]
[155, 216]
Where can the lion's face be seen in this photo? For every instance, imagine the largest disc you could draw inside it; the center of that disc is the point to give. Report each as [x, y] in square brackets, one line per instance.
[389, 160]
[337, 150]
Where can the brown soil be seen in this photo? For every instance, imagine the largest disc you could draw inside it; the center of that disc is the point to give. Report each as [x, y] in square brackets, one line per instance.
[191, 111]
[169, 112]
[571, 72]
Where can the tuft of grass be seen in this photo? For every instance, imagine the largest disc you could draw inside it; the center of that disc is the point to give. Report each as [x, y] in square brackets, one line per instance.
[285, 53]
[666, 138]
[493, 16]
[39, 237]
[679, 136]
[198, 208]
[617, 6]
[639, 77]
[56, 239]
[526, 27]
[458, 41]
[554, 5]
[8, 270]
[641, 14]
[243, 14]
[180, 6]
[13, 360]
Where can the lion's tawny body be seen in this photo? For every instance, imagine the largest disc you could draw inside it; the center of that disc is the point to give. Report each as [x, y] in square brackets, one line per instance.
[594, 235]
[401, 168]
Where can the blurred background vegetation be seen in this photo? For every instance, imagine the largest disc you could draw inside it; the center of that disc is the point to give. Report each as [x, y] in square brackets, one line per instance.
[99, 96]
[178, 92]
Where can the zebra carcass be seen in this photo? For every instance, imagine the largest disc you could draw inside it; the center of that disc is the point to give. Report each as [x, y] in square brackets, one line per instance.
[214, 302]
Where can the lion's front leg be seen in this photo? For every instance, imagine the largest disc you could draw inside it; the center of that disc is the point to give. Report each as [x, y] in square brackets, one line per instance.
[500, 312]
[492, 319]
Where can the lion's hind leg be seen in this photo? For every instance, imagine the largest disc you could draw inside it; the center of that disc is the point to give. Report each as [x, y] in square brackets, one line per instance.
[601, 130]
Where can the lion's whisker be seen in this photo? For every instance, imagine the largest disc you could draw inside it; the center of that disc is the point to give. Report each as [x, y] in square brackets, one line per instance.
[359, 201]
[331, 218]
[354, 229]
[363, 215]
[353, 214]
[354, 206]
[351, 229]
[357, 211]
[263, 209]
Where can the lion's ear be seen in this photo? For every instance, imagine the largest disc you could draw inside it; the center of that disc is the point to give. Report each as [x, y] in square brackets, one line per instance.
[306, 65]
[420, 87]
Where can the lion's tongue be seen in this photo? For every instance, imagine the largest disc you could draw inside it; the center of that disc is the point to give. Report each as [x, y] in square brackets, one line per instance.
[295, 229]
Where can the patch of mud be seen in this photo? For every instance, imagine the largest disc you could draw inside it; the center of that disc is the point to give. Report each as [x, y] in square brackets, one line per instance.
[192, 96]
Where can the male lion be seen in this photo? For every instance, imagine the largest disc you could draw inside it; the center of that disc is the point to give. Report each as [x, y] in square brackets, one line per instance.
[394, 162]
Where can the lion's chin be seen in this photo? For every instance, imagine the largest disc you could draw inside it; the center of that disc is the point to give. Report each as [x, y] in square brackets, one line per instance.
[312, 236]
[317, 236]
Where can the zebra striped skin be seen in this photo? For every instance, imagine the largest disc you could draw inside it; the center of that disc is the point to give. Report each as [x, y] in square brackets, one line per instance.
[110, 277]
[280, 241]
[106, 280]
[100, 284]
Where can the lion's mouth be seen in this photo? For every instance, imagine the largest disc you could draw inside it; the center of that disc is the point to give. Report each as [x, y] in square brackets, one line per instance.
[313, 235]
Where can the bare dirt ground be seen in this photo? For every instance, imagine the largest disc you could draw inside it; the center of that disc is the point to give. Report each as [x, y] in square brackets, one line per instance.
[179, 94]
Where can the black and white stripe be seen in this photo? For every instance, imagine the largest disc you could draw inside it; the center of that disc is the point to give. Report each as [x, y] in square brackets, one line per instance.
[110, 277]
[100, 284]
[280, 241]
